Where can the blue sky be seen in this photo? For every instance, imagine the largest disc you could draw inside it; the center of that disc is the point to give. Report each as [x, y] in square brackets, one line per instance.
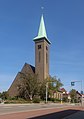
[19, 23]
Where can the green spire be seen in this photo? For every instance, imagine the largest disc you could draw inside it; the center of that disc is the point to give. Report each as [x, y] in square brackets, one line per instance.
[42, 31]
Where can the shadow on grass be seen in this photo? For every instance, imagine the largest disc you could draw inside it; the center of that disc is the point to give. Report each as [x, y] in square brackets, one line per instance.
[56, 115]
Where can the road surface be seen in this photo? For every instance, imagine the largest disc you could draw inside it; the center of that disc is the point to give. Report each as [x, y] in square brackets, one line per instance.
[37, 111]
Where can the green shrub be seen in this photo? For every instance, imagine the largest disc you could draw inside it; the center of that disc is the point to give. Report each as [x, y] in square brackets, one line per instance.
[36, 100]
[18, 101]
[54, 100]
[65, 99]
[58, 100]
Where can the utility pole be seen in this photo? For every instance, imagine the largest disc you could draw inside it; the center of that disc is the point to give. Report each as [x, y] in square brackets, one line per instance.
[46, 92]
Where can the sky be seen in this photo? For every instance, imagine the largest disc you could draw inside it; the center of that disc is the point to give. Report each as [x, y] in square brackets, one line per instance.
[64, 21]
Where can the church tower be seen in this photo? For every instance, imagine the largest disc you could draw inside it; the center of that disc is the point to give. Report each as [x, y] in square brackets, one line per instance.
[42, 52]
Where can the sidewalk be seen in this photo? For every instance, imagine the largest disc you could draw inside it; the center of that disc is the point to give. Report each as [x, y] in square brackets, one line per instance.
[78, 115]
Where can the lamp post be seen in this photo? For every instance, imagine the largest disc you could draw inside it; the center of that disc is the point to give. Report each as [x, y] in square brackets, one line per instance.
[47, 89]
[46, 92]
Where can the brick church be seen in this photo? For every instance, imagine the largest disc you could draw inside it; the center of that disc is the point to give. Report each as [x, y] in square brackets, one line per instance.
[41, 60]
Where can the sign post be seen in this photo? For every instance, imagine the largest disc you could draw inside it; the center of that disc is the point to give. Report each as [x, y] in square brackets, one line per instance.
[73, 84]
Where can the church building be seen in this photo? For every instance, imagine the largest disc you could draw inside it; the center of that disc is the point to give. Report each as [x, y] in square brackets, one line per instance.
[41, 60]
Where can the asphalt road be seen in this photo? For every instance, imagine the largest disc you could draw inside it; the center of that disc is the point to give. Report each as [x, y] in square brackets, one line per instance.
[37, 111]
[78, 115]
[12, 108]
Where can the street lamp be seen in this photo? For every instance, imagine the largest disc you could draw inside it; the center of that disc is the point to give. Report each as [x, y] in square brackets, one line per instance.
[46, 92]
[47, 89]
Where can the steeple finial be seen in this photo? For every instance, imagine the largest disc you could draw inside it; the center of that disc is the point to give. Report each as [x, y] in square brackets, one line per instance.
[42, 7]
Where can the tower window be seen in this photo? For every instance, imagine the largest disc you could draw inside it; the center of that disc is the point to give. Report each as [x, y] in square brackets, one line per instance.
[46, 48]
[46, 58]
[39, 56]
[39, 46]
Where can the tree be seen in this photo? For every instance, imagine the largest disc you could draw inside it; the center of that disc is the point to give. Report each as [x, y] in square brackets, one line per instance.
[73, 95]
[55, 84]
[43, 89]
[29, 86]
[4, 95]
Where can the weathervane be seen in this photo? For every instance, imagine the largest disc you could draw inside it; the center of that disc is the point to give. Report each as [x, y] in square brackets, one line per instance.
[42, 9]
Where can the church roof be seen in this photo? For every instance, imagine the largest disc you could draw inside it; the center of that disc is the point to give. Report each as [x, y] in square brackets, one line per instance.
[42, 31]
[27, 69]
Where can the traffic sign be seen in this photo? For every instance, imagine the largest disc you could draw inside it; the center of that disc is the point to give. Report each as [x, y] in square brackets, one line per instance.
[72, 83]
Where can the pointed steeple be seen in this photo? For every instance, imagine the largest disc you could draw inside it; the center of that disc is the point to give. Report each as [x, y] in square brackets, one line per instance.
[42, 31]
